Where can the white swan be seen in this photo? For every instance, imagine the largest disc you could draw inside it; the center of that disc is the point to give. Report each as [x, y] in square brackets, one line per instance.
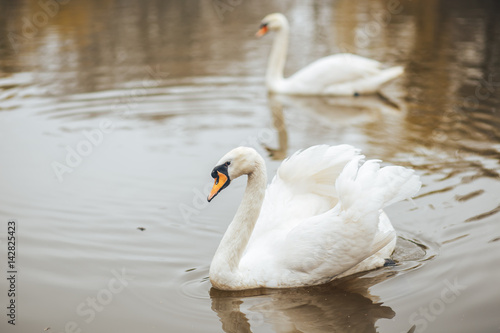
[340, 74]
[320, 218]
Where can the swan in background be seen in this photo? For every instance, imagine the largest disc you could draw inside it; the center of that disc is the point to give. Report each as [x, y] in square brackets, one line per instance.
[340, 74]
[320, 218]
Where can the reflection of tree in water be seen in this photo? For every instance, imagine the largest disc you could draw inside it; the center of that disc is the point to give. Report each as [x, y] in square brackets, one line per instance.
[341, 306]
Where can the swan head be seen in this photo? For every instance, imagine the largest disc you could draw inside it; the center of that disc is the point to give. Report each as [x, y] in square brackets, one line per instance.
[274, 21]
[239, 161]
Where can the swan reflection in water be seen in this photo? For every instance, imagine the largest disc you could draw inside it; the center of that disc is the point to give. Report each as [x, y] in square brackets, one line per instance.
[345, 305]
[335, 111]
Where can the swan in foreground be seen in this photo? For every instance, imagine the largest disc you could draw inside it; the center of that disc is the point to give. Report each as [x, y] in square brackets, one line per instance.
[320, 218]
[340, 74]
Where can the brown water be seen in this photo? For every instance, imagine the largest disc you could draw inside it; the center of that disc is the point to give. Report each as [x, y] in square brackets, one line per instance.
[112, 115]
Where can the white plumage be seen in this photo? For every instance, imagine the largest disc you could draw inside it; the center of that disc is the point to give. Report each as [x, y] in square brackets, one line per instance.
[340, 74]
[320, 218]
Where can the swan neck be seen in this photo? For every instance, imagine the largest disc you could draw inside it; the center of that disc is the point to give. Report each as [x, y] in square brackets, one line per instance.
[231, 248]
[277, 58]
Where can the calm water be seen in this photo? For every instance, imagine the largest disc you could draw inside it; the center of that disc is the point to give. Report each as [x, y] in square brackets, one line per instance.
[113, 113]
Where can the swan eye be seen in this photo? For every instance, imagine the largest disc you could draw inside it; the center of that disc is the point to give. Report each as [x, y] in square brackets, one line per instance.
[227, 163]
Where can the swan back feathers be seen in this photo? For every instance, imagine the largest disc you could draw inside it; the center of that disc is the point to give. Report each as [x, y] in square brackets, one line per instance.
[317, 168]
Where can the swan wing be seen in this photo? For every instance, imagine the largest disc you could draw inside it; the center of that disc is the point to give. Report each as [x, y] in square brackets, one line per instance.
[364, 85]
[340, 74]
[334, 242]
[334, 69]
[304, 186]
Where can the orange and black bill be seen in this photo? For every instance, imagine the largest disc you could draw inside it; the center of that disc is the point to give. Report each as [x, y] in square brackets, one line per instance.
[222, 180]
[263, 29]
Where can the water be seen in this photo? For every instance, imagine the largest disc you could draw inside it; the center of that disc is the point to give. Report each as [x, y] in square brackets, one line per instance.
[114, 113]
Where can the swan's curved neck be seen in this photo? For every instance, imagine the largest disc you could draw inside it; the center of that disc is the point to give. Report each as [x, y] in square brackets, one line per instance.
[225, 263]
[277, 58]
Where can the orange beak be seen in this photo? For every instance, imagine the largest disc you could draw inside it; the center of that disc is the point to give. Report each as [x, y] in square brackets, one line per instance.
[218, 185]
[262, 31]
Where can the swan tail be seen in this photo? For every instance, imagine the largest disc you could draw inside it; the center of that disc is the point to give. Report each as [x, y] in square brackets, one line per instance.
[373, 83]
[365, 85]
[366, 188]
[391, 73]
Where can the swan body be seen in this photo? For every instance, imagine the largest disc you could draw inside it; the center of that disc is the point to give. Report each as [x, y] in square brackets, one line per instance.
[342, 74]
[319, 219]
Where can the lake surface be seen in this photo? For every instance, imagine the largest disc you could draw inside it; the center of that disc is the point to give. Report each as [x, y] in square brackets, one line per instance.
[113, 114]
